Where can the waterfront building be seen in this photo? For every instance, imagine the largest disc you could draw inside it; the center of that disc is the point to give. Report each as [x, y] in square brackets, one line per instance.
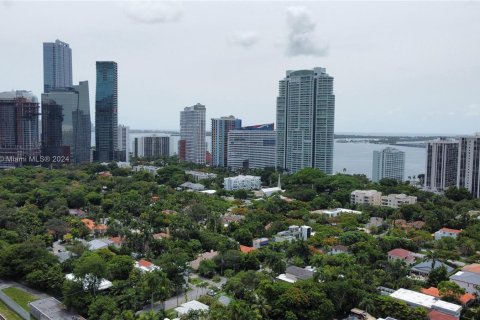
[468, 167]
[388, 163]
[106, 111]
[441, 164]
[19, 124]
[220, 128]
[152, 146]
[192, 145]
[252, 147]
[305, 121]
[57, 66]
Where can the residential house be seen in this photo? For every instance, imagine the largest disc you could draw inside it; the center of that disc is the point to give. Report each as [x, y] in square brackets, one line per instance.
[447, 232]
[294, 233]
[424, 268]
[338, 249]
[332, 213]
[192, 186]
[189, 306]
[402, 255]
[161, 235]
[204, 256]
[260, 242]
[375, 222]
[246, 249]
[146, 266]
[95, 229]
[104, 283]
[416, 299]
[467, 280]
[466, 299]
[97, 244]
[403, 224]
[293, 274]
[117, 241]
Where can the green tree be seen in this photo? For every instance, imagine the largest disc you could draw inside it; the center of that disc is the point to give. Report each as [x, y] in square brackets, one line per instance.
[91, 269]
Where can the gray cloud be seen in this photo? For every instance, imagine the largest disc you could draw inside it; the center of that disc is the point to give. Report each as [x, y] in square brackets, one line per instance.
[152, 12]
[301, 27]
[244, 39]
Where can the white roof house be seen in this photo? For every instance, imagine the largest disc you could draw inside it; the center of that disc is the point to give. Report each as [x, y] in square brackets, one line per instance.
[417, 299]
[193, 305]
[331, 213]
[104, 284]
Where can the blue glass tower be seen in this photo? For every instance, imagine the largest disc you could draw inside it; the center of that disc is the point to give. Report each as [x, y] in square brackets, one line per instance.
[106, 111]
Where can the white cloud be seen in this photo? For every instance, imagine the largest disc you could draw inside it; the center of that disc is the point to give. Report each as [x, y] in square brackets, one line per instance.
[152, 12]
[301, 38]
[244, 39]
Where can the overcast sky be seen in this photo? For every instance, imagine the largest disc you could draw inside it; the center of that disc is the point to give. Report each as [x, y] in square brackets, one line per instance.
[399, 67]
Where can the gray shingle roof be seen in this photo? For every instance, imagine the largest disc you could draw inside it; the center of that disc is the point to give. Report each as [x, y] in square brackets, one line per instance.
[468, 277]
[300, 273]
[426, 266]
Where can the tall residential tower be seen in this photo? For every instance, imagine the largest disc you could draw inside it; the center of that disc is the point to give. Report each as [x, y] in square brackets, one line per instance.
[106, 111]
[220, 128]
[192, 146]
[388, 163]
[305, 121]
[57, 66]
[441, 164]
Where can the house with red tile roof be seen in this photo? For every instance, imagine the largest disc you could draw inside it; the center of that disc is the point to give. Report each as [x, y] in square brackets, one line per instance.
[437, 315]
[402, 255]
[117, 241]
[465, 299]
[93, 227]
[446, 232]
[246, 249]
[145, 266]
[474, 267]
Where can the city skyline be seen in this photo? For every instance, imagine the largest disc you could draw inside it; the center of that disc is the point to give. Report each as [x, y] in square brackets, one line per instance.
[372, 67]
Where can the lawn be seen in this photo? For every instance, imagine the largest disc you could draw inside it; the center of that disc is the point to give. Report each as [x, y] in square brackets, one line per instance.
[21, 297]
[7, 313]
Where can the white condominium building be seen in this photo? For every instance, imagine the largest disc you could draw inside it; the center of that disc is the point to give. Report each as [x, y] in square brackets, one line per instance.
[370, 197]
[192, 145]
[242, 182]
[252, 147]
[396, 200]
[388, 163]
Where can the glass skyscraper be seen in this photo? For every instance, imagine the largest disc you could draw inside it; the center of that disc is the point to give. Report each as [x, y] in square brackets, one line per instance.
[305, 121]
[57, 65]
[66, 122]
[220, 128]
[106, 111]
